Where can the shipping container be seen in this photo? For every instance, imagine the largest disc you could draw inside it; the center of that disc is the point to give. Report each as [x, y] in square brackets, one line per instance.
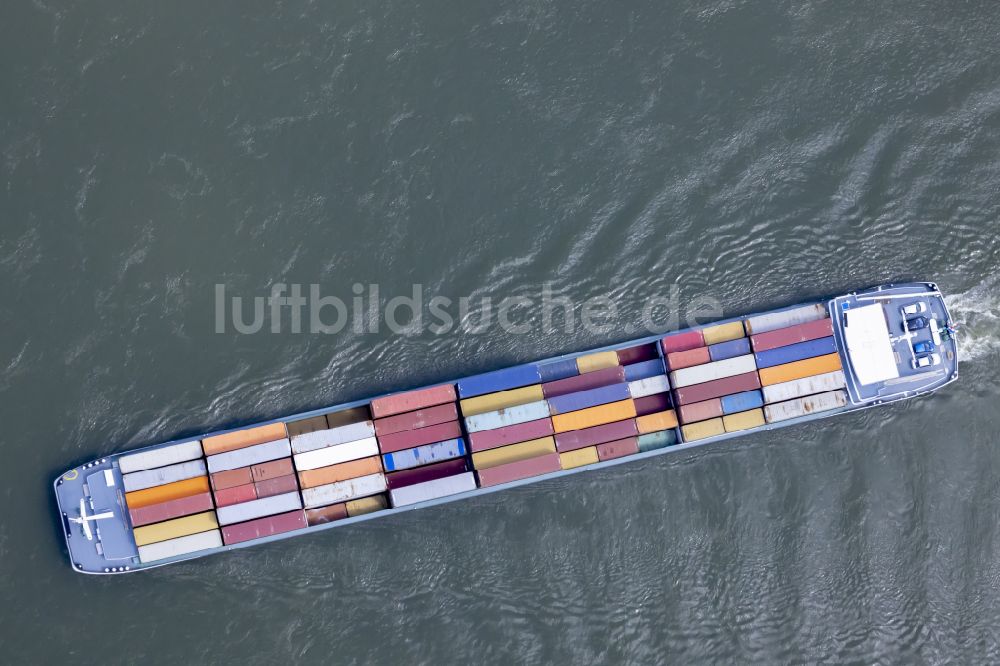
[429, 490]
[167, 492]
[148, 478]
[419, 419]
[790, 409]
[596, 361]
[340, 472]
[688, 358]
[232, 478]
[272, 469]
[651, 404]
[409, 477]
[319, 439]
[240, 513]
[550, 372]
[682, 341]
[828, 381]
[702, 429]
[492, 402]
[731, 349]
[409, 401]
[344, 417]
[508, 417]
[326, 514]
[243, 438]
[648, 423]
[522, 469]
[170, 455]
[700, 411]
[741, 402]
[333, 455]
[341, 491]
[235, 495]
[178, 527]
[264, 527]
[657, 440]
[618, 448]
[251, 455]
[573, 402]
[365, 505]
[723, 332]
[423, 455]
[578, 457]
[799, 369]
[279, 485]
[500, 380]
[409, 439]
[717, 389]
[753, 418]
[185, 545]
[303, 426]
[638, 354]
[783, 337]
[640, 388]
[644, 370]
[184, 506]
[579, 439]
[585, 382]
[774, 320]
[507, 454]
[522, 432]
[796, 352]
[593, 416]
[713, 371]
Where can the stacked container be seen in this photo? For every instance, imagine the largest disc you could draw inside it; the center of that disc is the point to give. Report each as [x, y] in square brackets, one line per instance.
[421, 444]
[655, 418]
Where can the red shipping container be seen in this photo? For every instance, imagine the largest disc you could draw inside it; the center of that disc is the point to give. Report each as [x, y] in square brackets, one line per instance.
[522, 469]
[782, 337]
[651, 404]
[411, 438]
[717, 388]
[522, 432]
[264, 527]
[689, 358]
[326, 514]
[409, 477]
[277, 486]
[579, 439]
[700, 411]
[231, 478]
[584, 382]
[631, 355]
[236, 495]
[272, 469]
[418, 419]
[411, 400]
[185, 506]
[618, 449]
[682, 341]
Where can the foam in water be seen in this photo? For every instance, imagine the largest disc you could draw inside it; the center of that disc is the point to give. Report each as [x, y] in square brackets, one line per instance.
[976, 311]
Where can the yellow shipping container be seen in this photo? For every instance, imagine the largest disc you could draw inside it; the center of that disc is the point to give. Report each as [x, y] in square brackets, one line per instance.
[656, 422]
[243, 438]
[723, 333]
[491, 402]
[799, 369]
[167, 492]
[597, 361]
[592, 416]
[365, 505]
[743, 420]
[178, 527]
[703, 429]
[579, 458]
[513, 452]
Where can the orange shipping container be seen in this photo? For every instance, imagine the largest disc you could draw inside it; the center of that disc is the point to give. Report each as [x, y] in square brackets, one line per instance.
[592, 416]
[656, 422]
[243, 438]
[341, 472]
[799, 369]
[166, 493]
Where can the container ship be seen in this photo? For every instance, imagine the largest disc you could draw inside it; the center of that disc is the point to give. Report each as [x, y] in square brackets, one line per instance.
[357, 461]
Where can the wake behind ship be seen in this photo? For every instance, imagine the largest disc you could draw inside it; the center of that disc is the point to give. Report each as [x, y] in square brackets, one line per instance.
[369, 458]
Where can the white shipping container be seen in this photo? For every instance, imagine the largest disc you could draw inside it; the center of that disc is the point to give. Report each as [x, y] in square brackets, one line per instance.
[823, 402]
[649, 386]
[342, 491]
[708, 372]
[148, 478]
[319, 439]
[180, 546]
[828, 381]
[772, 321]
[250, 455]
[332, 455]
[423, 492]
[169, 455]
[267, 506]
[500, 418]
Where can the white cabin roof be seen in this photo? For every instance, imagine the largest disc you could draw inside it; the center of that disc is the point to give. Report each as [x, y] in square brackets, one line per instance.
[869, 345]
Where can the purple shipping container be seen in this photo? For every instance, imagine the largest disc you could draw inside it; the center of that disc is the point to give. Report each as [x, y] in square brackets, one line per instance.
[644, 370]
[584, 382]
[651, 404]
[639, 354]
[421, 418]
[700, 411]
[550, 372]
[618, 449]
[599, 396]
[500, 380]
[682, 341]
[522, 432]
[279, 485]
[409, 477]
[409, 439]
[263, 527]
[796, 352]
[184, 506]
[717, 388]
[580, 439]
[522, 469]
[730, 349]
[821, 328]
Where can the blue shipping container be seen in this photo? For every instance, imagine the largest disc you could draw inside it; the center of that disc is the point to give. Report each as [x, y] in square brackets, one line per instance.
[730, 349]
[741, 402]
[501, 380]
[796, 352]
[550, 372]
[571, 402]
[644, 370]
[423, 455]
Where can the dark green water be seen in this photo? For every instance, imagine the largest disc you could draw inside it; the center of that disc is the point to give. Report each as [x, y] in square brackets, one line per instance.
[756, 153]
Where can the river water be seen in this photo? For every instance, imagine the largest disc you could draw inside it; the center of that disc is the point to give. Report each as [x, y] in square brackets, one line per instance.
[754, 154]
